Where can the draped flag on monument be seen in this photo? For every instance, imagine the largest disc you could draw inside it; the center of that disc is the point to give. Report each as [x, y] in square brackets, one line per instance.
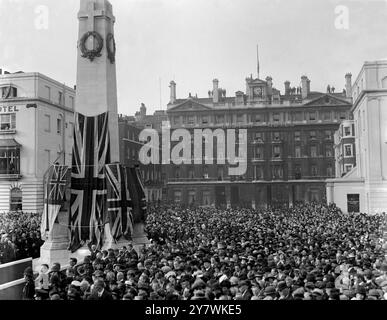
[91, 151]
[55, 183]
[119, 205]
[137, 193]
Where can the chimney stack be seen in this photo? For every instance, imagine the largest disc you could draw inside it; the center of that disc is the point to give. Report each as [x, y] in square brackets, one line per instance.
[269, 81]
[305, 86]
[172, 86]
[215, 93]
[287, 88]
[348, 85]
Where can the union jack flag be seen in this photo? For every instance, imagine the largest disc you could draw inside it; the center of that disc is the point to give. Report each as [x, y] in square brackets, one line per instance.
[55, 183]
[137, 192]
[91, 151]
[119, 205]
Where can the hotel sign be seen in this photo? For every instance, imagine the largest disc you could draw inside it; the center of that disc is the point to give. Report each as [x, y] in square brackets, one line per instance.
[9, 109]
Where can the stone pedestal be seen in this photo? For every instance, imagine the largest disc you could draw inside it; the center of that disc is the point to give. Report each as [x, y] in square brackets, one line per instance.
[139, 236]
[55, 248]
[110, 243]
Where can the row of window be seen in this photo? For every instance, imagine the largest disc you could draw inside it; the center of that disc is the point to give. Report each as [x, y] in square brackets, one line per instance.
[277, 172]
[277, 152]
[59, 125]
[59, 97]
[257, 118]
[276, 136]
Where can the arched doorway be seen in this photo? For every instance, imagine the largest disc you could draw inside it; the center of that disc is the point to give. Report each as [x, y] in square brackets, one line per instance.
[16, 200]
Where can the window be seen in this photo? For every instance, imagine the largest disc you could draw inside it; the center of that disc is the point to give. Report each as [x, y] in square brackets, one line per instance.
[128, 153]
[312, 115]
[16, 200]
[328, 134]
[177, 196]
[259, 136]
[176, 120]
[191, 173]
[276, 136]
[59, 126]
[9, 161]
[276, 152]
[205, 172]
[313, 151]
[258, 173]
[329, 171]
[297, 152]
[60, 97]
[348, 167]
[314, 170]
[328, 151]
[8, 92]
[297, 136]
[47, 123]
[312, 135]
[48, 92]
[327, 115]
[191, 196]
[219, 119]
[191, 120]
[342, 115]
[258, 118]
[276, 117]
[240, 118]
[7, 122]
[348, 150]
[220, 173]
[297, 172]
[71, 102]
[277, 172]
[297, 116]
[347, 131]
[205, 119]
[258, 153]
[353, 203]
[206, 198]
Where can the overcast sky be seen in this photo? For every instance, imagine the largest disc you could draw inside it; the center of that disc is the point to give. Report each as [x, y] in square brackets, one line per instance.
[195, 41]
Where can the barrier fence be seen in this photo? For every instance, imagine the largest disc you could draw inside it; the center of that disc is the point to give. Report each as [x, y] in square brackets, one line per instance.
[12, 279]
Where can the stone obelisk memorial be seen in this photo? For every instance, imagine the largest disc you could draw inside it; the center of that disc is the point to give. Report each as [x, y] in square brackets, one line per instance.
[96, 93]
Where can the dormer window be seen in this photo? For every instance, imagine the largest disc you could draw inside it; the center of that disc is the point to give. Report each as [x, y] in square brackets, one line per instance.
[8, 92]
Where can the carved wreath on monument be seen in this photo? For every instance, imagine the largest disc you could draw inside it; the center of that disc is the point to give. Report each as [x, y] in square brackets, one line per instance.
[87, 53]
[111, 47]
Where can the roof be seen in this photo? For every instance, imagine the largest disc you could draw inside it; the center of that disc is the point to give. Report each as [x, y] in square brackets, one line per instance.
[9, 143]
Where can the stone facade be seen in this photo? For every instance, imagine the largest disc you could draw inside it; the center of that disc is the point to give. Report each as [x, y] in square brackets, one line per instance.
[365, 187]
[289, 144]
[35, 131]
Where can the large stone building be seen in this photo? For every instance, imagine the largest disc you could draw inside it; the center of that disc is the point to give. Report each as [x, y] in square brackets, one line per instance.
[289, 143]
[36, 128]
[364, 188]
[129, 132]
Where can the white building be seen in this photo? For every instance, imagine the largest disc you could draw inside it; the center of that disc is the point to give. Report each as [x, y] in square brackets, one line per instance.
[36, 124]
[365, 186]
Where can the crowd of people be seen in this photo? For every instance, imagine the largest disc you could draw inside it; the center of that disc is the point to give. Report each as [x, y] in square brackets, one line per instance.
[19, 236]
[309, 252]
